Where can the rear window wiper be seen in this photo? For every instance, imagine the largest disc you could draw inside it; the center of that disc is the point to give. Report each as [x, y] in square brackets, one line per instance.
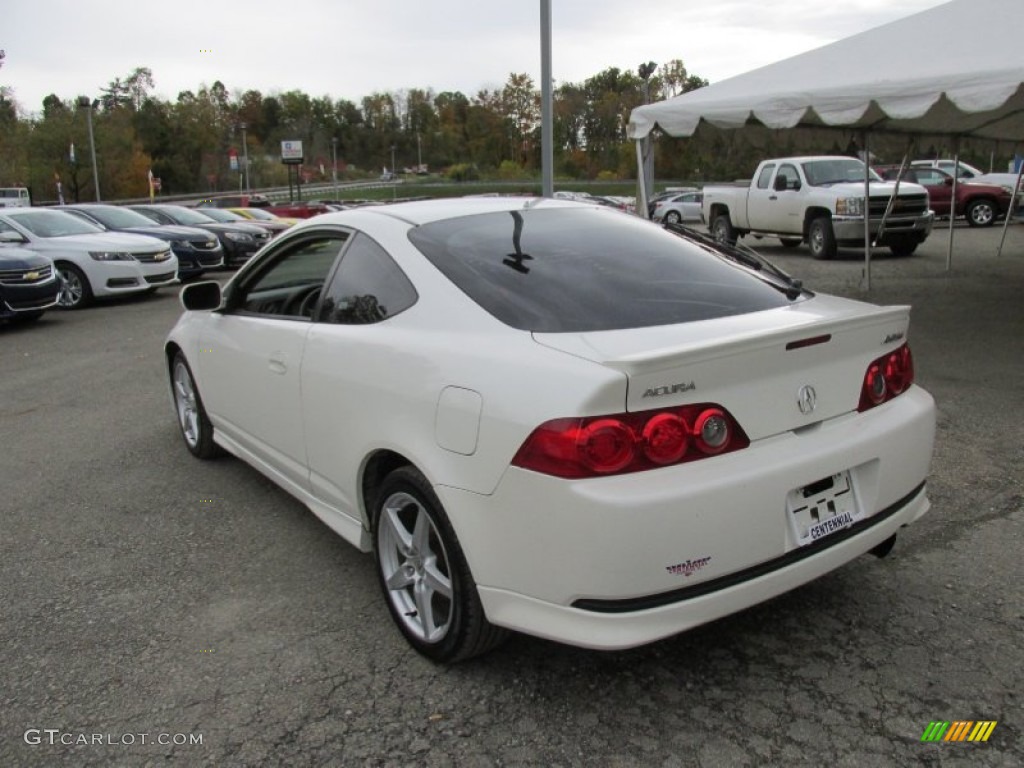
[744, 255]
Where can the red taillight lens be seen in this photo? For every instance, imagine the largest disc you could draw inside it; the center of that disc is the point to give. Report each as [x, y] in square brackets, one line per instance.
[630, 442]
[665, 438]
[887, 377]
[605, 445]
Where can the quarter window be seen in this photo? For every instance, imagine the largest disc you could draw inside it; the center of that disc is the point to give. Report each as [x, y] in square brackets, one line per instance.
[765, 177]
[367, 288]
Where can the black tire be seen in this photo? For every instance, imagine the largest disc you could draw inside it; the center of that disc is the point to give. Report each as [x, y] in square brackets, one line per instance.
[821, 238]
[419, 560]
[195, 426]
[903, 247]
[75, 291]
[981, 212]
[722, 229]
[790, 242]
[673, 217]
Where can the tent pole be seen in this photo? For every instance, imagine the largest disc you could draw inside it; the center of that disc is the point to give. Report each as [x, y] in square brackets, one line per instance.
[1010, 208]
[641, 183]
[867, 209]
[895, 192]
[952, 207]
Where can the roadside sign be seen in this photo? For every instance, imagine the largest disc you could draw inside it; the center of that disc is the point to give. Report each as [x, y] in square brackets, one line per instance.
[291, 152]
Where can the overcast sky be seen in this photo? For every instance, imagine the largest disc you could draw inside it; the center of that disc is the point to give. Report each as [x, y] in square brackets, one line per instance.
[352, 48]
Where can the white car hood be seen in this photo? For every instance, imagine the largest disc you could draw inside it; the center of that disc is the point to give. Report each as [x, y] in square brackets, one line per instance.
[855, 188]
[101, 241]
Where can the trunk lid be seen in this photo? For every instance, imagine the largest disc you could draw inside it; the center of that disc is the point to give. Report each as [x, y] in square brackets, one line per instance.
[758, 366]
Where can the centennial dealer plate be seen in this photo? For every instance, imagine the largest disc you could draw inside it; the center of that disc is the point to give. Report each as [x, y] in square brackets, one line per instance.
[822, 508]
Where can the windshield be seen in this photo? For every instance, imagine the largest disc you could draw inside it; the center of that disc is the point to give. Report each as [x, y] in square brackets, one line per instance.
[186, 215]
[256, 213]
[835, 170]
[116, 218]
[218, 215]
[52, 223]
[578, 270]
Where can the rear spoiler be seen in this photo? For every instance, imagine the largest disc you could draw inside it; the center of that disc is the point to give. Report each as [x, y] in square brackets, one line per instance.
[715, 348]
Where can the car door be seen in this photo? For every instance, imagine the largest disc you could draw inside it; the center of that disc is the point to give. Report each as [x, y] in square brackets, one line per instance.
[357, 375]
[251, 352]
[940, 194]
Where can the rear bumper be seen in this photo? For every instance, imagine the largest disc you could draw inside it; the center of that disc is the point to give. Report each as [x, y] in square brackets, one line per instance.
[621, 561]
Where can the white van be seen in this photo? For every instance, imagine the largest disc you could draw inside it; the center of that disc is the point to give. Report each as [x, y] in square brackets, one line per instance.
[14, 197]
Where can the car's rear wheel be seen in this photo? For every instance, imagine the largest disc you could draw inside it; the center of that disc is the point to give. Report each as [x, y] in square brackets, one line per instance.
[821, 238]
[722, 229]
[673, 217]
[981, 213]
[195, 425]
[75, 291]
[423, 573]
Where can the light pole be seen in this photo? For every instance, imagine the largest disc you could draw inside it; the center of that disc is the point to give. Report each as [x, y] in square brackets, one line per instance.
[84, 101]
[392, 162]
[245, 155]
[334, 164]
[419, 154]
[643, 195]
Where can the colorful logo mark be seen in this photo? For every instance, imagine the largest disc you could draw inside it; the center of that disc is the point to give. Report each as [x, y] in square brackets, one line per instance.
[958, 730]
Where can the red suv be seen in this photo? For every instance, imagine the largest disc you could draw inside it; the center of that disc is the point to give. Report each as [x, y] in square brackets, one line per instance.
[981, 204]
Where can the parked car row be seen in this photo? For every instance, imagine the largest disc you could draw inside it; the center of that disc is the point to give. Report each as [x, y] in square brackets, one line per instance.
[71, 255]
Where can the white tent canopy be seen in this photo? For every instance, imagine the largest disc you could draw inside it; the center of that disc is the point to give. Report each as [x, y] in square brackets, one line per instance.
[955, 70]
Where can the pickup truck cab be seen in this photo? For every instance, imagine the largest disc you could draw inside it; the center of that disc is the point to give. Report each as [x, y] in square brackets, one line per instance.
[818, 200]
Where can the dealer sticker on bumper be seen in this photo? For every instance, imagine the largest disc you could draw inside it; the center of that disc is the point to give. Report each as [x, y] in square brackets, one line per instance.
[822, 508]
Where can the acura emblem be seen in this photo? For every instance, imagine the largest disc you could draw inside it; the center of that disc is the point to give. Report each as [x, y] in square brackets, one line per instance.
[806, 399]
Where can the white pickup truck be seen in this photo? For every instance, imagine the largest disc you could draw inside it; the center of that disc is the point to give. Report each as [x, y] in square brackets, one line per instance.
[820, 201]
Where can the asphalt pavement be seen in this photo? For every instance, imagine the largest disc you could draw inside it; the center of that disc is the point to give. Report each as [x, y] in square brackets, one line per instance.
[158, 610]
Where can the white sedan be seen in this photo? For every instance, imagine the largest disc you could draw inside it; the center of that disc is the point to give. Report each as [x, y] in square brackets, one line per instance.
[675, 209]
[549, 417]
[91, 262]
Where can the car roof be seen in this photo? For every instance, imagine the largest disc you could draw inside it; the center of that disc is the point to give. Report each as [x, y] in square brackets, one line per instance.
[427, 211]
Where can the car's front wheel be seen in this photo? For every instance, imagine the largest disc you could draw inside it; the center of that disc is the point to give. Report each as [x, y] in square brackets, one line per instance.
[821, 238]
[423, 573]
[195, 425]
[75, 291]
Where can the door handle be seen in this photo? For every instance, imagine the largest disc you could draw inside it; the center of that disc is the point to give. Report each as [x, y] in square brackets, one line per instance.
[773, 197]
[277, 364]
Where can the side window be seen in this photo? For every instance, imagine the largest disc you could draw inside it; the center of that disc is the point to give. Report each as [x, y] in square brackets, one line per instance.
[765, 177]
[290, 286]
[789, 173]
[367, 288]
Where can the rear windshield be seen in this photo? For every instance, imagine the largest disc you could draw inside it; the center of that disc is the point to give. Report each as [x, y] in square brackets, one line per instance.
[578, 270]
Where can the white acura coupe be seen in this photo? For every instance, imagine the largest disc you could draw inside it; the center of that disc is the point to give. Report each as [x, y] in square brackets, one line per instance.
[555, 418]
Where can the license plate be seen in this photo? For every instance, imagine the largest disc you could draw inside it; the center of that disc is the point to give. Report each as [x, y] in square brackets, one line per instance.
[820, 509]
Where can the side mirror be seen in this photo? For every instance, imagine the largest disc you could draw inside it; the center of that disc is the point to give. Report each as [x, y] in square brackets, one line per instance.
[201, 296]
[780, 183]
[12, 237]
[948, 181]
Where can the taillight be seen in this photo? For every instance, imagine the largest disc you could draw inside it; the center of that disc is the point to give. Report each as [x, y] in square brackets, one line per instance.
[886, 377]
[630, 442]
